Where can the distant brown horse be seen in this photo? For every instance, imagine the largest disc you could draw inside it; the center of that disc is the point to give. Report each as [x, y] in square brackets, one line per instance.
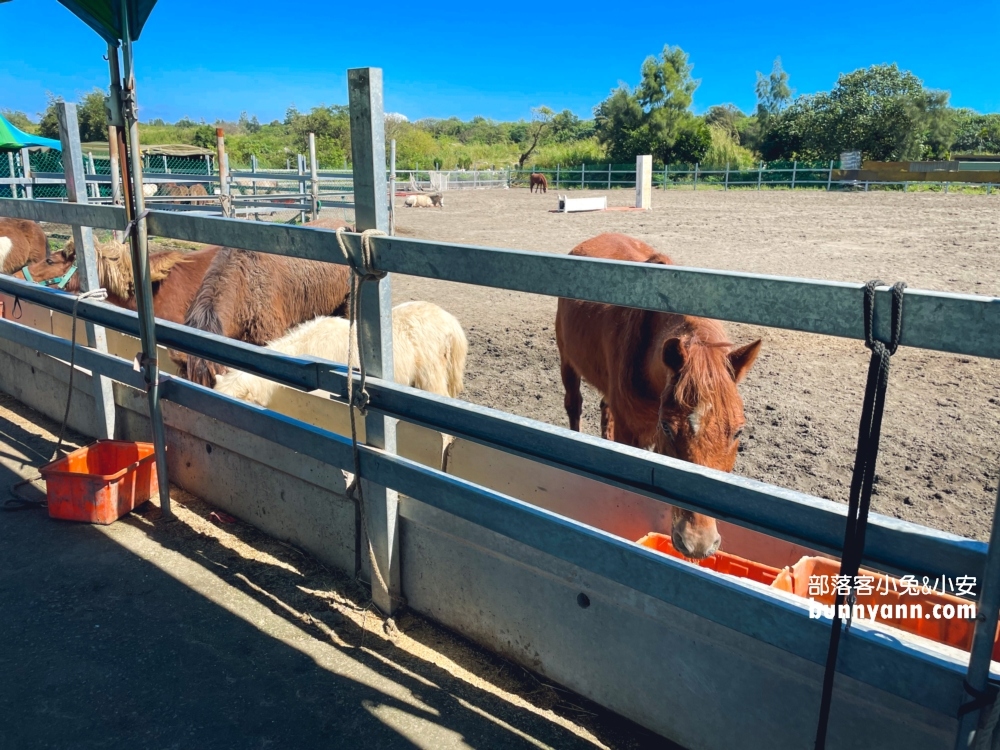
[256, 297]
[21, 242]
[539, 181]
[668, 382]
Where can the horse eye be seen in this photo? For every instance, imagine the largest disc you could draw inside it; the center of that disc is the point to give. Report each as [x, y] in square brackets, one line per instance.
[50, 261]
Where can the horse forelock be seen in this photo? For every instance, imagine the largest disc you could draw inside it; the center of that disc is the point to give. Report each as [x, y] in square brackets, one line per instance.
[114, 267]
[706, 379]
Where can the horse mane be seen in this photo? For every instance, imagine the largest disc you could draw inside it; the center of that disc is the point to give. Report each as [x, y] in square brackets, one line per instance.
[114, 266]
[707, 370]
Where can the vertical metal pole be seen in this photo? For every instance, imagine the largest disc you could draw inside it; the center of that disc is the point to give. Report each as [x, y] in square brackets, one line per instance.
[795, 166]
[760, 173]
[727, 176]
[392, 187]
[93, 190]
[696, 175]
[666, 173]
[116, 177]
[583, 176]
[225, 189]
[208, 164]
[557, 176]
[10, 171]
[987, 610]
[375, 324]
[829, 176]
[609, 176]
[166, 167]
[301, 161]
[313, 177]
[140, 263]
[29, 191]
[86, 259]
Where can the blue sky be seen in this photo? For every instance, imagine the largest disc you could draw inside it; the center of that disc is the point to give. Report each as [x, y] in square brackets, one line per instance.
[494, 59]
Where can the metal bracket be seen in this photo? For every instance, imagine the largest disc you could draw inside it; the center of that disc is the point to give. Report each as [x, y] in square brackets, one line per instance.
[129, 104]
[113, 107]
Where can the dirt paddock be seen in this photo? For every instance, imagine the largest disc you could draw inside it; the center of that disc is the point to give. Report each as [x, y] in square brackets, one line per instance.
[939, 462]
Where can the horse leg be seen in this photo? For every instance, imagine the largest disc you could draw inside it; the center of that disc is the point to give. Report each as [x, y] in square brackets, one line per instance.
[574, 399]
[607, 421]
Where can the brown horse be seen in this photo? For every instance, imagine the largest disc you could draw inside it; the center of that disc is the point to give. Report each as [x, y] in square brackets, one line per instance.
[668, 381]
[176, 278]
[21, 242]
[539, 181]
[257, 297]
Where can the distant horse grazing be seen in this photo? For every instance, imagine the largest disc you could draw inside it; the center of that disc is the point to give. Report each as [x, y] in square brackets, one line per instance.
[176, 278]
[428, 351]
[539, 181]
[424, 201]
[667, 381]
[21, 242]
[256, 297]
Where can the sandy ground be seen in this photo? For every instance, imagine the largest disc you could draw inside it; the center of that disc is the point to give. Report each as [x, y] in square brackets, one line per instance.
[196, 633]
[939, 463]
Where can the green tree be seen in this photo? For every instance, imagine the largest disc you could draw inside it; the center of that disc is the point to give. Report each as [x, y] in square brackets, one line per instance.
[541, 123]
[20, 120]
[90, 113]
[773, 93]
[655, 117]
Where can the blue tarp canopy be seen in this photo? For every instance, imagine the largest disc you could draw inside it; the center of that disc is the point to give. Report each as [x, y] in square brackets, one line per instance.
[13, 139]
[104, 16]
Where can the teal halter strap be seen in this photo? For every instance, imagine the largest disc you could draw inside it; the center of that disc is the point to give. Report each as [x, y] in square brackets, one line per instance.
[58, 282]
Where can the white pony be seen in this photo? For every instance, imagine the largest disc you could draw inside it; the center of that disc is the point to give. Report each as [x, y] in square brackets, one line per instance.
[424, 201]
[428, 350]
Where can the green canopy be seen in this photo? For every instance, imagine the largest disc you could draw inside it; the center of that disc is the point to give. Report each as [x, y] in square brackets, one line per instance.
[104, 16]
[12, 139]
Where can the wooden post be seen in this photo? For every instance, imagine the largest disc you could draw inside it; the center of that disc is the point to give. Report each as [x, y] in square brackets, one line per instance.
[375, 324]
[829, 176]
[29, 192]
[644, 181]
[313, 177]
[795, 166]
[86, 259]
[225, 189]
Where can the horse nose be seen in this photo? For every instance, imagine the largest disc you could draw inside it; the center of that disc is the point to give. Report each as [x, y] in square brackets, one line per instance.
[697, 548]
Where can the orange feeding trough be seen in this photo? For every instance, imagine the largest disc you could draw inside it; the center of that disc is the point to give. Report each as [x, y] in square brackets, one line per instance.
[101, 482]
[720, 562]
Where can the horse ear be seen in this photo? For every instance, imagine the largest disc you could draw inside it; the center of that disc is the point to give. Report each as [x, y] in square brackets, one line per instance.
[69, 250]
[674, 354]
[743, 358]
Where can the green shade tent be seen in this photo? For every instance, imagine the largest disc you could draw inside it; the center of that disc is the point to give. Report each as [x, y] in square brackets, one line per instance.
[104, 16]
[12, 139]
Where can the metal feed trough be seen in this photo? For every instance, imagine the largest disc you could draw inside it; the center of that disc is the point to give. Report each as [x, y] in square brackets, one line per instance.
[706, 660]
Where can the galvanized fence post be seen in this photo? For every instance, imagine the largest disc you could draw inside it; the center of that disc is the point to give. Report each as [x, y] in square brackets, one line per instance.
[94, 189]
[987, 611]
[609, 176]
[727, 177]
[225, 195]
[583, 176]
[695, 175]
[829, 176]
[29, 192]
[208, 164]
[666, 173]
[301, 161]
[392, 187]
[166, 167]
[795, 166]
[314, 177]
[116, 178]
[10, 172]
[375, 324]
[557, 176]
[760, 173]
[86, 259]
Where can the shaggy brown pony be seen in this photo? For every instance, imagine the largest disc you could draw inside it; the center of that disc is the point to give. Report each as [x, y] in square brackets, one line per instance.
[257, 297]
[668, 381]
[176, 278]
[539, 181]
[22, 242]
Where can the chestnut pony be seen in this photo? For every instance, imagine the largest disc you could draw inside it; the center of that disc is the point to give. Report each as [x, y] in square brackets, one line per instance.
[668, 381]
[21, 242]
[539, 181]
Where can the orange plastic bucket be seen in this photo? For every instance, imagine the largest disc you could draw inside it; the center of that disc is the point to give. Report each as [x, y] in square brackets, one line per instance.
[101, 482]
[720, 562]
[886, 590]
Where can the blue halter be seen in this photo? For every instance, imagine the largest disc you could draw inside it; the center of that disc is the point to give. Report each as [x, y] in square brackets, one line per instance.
[58, 282]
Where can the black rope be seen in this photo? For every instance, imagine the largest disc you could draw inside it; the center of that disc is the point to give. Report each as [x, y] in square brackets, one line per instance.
[862, 480]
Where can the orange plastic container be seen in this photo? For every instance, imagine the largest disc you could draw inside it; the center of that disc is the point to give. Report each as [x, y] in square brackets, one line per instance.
[101, 482]
[886, 590]
[720, 562]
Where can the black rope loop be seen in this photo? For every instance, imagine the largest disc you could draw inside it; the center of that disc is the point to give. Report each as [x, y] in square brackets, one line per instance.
[980, 698]
[862, 482]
